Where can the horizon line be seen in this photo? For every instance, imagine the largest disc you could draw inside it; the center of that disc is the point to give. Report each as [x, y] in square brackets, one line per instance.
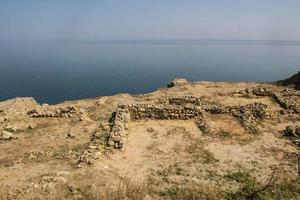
[156, 40]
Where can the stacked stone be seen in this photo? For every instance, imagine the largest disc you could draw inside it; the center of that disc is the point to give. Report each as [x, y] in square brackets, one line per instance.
[213, 108]
[202, 125]
[51, 111]
[290, 92]
[248, 114]
[184, 100]
[249, 123]
[254, 91]
[258, 91]
[286, 103]
[256, 109]
[96, 146]
[150, 111]
[282, 97]
[119, 127]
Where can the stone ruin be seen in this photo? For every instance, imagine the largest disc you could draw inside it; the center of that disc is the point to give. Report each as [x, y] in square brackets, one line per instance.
[182, 108]
[282, 97]
[113, 134]
[56, 112]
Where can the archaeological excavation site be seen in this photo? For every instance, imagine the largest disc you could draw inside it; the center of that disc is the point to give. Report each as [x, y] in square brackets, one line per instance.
[189, 140]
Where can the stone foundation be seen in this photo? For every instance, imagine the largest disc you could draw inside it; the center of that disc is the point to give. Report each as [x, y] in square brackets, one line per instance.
[282, 97]
[114, 132]
[56, 112]
[182, 108]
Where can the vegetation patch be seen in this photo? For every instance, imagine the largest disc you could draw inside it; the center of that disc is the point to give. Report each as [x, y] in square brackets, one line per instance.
[250, 188]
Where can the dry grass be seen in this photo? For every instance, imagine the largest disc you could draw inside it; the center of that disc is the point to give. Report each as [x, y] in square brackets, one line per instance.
[126, 189]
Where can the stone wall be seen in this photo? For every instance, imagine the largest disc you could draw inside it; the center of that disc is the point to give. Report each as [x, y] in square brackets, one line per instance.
[114, 132]
[150, 111]
[247, 114]
[181, 108]
[283, 97]
[56, 111]
[119, 127]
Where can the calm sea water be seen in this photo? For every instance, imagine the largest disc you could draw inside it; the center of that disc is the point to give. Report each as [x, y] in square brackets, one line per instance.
[56, 71]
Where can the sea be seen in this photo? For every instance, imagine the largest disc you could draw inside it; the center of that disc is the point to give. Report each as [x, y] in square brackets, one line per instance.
[55, 71]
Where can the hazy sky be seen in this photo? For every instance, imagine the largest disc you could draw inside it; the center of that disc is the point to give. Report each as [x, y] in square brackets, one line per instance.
[149, 19]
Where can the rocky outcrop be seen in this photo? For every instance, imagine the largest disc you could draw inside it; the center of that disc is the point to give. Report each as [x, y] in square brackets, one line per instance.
[177, 82]
[293, 80]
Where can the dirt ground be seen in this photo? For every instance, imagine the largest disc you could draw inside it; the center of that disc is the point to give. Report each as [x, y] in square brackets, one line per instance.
[44, 151]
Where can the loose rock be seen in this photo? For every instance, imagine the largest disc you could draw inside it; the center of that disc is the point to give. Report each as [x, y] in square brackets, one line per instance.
[5, 135]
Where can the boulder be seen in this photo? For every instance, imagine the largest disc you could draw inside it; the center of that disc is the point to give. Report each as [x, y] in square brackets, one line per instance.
[178, 82]
[5, 135]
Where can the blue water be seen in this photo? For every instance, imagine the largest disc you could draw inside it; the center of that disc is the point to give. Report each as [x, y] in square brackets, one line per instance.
[56, 71]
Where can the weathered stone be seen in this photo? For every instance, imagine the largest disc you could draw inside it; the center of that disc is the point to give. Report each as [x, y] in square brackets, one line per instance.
[202, 125]
[150, 130]
[282, 97]
[178, 82]
[71, 135]
[119, 127]
[57, 112]
[5, 135]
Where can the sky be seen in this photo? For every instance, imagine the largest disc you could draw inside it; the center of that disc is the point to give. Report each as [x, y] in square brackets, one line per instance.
[149, 19]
